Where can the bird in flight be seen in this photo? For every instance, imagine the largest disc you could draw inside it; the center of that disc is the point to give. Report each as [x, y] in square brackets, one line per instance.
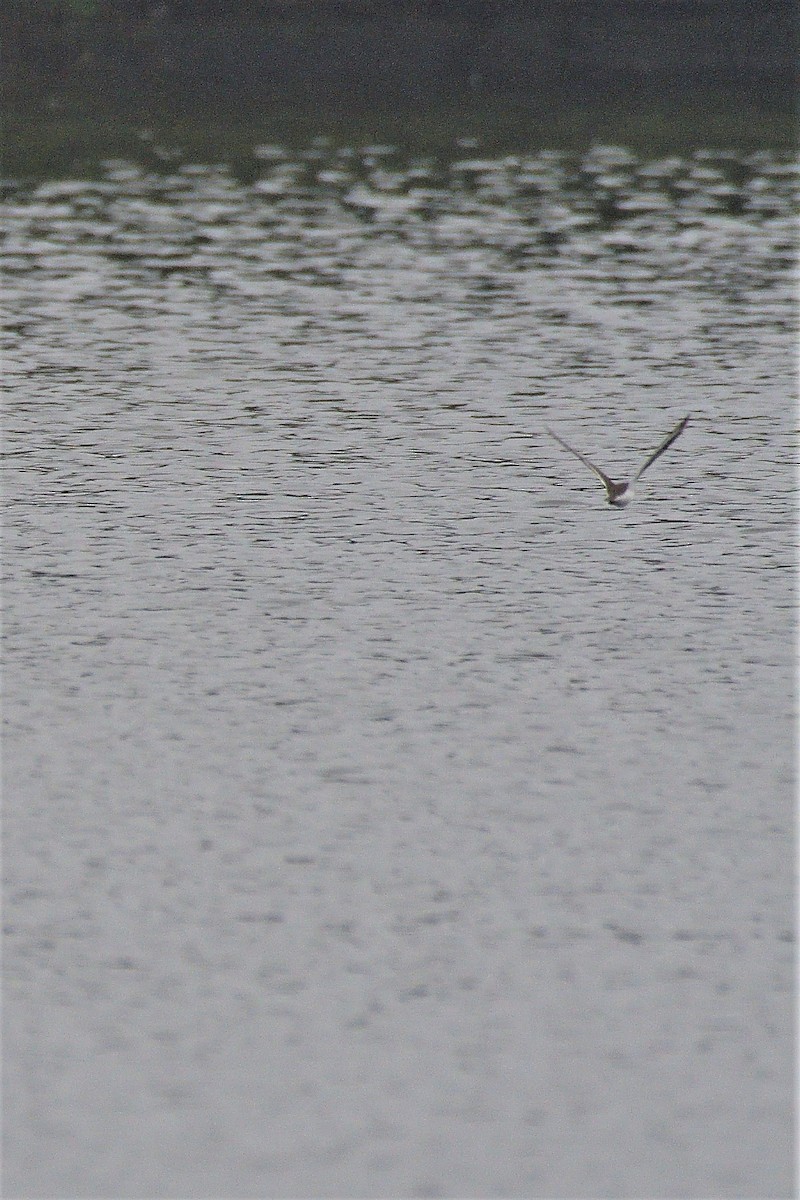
[620, 494]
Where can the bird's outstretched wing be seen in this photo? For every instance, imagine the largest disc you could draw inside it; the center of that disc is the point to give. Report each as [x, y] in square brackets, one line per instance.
[608, 483]
[667, 442]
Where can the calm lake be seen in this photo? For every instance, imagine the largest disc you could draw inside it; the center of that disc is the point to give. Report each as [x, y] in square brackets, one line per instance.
[385, 815]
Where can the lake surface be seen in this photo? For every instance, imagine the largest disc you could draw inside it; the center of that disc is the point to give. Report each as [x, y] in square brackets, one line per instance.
[385, 815]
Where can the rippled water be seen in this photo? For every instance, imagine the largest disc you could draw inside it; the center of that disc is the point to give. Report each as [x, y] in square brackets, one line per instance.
[385, 815]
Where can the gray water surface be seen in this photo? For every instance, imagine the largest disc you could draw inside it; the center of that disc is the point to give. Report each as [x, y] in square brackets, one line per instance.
[384, 814]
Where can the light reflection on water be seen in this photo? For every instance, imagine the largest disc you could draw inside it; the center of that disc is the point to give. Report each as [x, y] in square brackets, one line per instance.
[335, 687]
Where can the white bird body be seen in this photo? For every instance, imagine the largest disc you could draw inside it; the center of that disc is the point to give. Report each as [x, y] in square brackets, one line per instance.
[623, 499]
[619, 495]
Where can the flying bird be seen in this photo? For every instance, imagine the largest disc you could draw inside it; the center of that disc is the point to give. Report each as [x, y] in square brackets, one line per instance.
[620, 494]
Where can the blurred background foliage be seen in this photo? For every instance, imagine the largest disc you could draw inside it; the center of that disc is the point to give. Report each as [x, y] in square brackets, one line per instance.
[558, 71]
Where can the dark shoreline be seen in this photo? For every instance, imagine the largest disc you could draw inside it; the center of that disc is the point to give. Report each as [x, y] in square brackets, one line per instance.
[326, 53]
[341, 54]
[57, 144]
[659, 75]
